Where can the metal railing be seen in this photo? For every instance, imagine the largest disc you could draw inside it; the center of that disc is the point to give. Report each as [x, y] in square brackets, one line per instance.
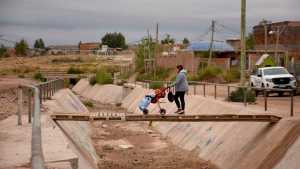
[36, 94]
[205, 85]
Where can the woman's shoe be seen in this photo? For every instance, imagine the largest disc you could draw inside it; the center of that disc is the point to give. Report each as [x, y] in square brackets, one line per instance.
[178, 111]
[181, 112]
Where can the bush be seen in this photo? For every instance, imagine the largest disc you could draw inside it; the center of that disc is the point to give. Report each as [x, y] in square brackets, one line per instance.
[3, 51]
[156, 85]
[161, 74]
[21, 48]
[209, 72]
[231, 75]
[21, 76]
[93, 80]
[73, 70]
[103, 77]
[66, 60]
[39, 76]
[238, 95]
[88, 103]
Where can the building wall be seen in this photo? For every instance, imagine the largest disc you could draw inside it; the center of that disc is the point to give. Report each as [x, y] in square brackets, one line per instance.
[85, 47]
[289, 39]
[189, 61]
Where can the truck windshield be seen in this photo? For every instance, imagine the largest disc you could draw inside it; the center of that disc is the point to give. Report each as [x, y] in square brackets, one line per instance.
[275, 71]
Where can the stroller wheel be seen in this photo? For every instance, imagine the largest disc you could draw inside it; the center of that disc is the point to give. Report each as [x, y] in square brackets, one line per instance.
[162, 111]
[145, 111]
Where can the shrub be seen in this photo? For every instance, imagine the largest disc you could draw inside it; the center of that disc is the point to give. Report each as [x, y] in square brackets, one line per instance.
[231, 75]
[39, 76]
[209, 72]
[66, 60]
[21, 76]
[238, 95]
[156, 85]
[88, 103]
[103, 77]
[21, 47]
[3, 51]
[161, 74]
[74, 70]
[93, 80]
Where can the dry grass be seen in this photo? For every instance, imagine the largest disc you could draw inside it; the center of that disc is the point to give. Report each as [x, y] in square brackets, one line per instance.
[27, 65]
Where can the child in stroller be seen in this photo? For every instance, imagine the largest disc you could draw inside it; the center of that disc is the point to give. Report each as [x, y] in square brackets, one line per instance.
[153, 98]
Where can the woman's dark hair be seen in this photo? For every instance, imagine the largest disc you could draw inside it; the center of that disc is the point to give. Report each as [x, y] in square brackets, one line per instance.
[179, 67]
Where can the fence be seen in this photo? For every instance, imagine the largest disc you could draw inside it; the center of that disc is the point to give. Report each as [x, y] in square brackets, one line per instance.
[36, 94]
[195, 85]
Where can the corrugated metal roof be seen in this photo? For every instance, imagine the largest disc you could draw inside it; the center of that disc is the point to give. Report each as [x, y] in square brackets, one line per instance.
[204, 46]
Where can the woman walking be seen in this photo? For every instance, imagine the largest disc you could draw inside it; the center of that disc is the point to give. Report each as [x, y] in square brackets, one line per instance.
[181, 87]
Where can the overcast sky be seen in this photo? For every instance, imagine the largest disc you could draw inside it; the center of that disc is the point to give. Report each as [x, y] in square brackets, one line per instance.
[71, 21]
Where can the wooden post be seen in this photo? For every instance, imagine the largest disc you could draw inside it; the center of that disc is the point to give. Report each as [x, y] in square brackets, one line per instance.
[40, 94]
[266, 100]
[245, 95]
[292, 103]
[215, 91]
[228, 92]
[195, 89]
[204, 89]
[29, 105]
[20, 105]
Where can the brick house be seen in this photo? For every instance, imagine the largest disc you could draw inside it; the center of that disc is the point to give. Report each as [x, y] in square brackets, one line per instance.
[86, 48]
[289, 37]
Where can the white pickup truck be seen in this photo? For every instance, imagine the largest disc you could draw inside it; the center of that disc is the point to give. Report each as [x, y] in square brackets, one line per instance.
[273, 78]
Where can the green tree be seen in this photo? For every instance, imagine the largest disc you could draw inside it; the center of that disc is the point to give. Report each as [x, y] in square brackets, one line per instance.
[185, 41]
[143, 51]
[168, 40]
[39, 44]
[3, 51]
[114, 40]
[21, 47]
[250, 41]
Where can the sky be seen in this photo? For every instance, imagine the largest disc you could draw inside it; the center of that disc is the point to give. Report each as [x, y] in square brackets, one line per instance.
[70, 21]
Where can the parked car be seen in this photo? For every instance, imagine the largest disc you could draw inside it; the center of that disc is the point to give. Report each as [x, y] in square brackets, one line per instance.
[273, 78]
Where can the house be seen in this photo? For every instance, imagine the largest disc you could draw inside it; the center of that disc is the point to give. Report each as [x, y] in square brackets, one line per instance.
[225, 55]
[193, 56]
[288, 33]
[62, 49]
[89, 47]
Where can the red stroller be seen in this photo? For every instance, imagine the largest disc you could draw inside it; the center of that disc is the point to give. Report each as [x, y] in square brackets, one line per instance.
[154, 99]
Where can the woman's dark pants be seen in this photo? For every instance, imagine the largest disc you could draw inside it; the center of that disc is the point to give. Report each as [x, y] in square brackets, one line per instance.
[179, 95]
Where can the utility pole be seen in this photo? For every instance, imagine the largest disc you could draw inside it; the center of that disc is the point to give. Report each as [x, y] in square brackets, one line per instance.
[211, 41]
[156, 37]
[243, 41]
[266, 37]
[156, 50]
[276, 45]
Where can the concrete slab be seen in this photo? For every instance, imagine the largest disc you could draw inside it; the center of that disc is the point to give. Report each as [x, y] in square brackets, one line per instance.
[15, 143]
[77, 132]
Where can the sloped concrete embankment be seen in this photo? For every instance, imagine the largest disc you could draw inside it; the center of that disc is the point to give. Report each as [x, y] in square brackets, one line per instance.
[79, 133]
[238, 145]
[106, 94]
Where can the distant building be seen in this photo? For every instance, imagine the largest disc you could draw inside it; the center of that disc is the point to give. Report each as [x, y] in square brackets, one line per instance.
[289, 37]
[86, 48]
[62, 49]
[235, 43]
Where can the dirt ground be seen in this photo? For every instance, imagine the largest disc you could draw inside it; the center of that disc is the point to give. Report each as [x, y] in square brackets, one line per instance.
[8, 95]
[123, 145]
[278, 104]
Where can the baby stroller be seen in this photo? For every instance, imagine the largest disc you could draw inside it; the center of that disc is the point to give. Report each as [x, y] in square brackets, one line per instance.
[154, 99]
